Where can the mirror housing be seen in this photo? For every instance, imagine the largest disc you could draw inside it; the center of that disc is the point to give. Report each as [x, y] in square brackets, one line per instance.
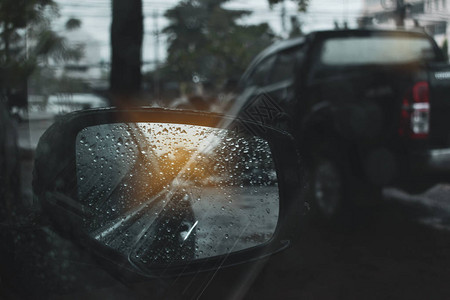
[55, 186]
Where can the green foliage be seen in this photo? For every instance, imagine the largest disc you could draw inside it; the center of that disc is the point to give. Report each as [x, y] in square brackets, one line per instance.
[73, 24]
[206, 41]
[302, 4]
[18, 14]
[26, 41]
[296, 27]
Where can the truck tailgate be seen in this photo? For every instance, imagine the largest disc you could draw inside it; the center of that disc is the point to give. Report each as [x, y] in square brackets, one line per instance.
[439, 79]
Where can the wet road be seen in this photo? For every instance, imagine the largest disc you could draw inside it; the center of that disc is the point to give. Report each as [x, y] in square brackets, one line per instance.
[238, 219]
[399, 251]
[431, 208]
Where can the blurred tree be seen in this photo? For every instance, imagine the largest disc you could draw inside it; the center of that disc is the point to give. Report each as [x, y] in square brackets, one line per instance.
[126, 48]
[207, 44]
[302, 4]
[73, 24]
[44, 81]
[296, 27]
[26, 41]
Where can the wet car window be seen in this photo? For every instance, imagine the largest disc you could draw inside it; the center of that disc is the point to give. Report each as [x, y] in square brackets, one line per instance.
[260, 75]
[286, 64]
[361, 87]
[127, 171]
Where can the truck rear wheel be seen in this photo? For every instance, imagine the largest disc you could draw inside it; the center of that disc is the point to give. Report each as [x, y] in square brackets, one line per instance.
[326, 190]
[337, 197]
[326, 185]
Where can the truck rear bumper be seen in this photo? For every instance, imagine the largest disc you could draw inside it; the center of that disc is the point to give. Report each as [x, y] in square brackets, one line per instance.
[426, 169]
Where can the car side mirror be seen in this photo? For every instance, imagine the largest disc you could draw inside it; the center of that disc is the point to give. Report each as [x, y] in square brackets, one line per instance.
[152, 191]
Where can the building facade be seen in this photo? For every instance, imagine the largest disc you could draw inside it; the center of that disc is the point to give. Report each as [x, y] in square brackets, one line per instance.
[431, 15]
[89, 67]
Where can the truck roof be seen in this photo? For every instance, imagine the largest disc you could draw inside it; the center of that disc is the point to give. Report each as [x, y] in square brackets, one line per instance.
[286, 44]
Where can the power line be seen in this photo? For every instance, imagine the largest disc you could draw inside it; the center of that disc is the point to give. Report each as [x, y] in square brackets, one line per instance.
[275, 14]
[253, 10]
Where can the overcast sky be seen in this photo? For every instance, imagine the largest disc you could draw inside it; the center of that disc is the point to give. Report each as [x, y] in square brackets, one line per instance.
[96, 18]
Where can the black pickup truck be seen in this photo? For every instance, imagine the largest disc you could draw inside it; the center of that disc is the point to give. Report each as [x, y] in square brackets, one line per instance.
[368, 108]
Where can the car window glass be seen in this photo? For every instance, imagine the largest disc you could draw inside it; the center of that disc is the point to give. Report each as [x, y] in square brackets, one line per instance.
[285, 65]
[375, 50]
[261, 73]
[137, 175]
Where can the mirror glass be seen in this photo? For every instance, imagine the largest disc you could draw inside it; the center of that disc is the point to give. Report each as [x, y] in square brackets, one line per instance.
[160, 192]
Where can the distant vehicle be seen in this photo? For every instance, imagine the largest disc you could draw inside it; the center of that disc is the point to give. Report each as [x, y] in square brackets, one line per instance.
[57, 105]
[368, 108]
[65, 103]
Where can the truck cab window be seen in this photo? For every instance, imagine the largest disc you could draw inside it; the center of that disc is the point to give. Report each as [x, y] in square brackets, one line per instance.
[287, 62]
[354, 51]
[260, 75]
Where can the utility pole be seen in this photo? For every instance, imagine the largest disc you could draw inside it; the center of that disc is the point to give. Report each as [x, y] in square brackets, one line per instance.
[156, 57]
[127, 29]
[345, 13]
[400, 13]
[283, 17]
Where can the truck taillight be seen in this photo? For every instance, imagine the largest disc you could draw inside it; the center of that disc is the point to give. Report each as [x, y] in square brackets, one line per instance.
[415, 114]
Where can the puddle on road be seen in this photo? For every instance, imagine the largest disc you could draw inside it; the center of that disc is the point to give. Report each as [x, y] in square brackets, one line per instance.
[432, 207]
[437, 222]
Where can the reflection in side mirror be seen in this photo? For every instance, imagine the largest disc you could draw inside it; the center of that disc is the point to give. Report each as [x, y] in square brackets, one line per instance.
[164, 193]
